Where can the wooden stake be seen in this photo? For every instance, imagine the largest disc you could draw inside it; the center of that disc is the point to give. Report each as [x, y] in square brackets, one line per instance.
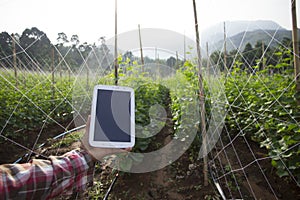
[14, 58]
[52, 72]
[60, 67]
[87, 77]
[262, 54]
[184, 49]
[69, 74]
[177, 63]
[296, 48]
[141, 49]
[225, 56]
[158, 65]
[202, 100]
[116, 43]
[208, 61]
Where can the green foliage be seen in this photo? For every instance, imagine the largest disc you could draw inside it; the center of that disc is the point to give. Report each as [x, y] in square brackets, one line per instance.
[256, 58]
[32, 104]
[185, 105]
[148, 95]
[67, 140]
[264, 108]
[179, 93]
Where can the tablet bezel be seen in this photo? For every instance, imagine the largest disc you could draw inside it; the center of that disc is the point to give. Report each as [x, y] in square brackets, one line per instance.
[112, 144]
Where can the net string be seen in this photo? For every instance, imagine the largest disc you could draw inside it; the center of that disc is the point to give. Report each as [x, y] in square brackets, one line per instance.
[242, 168]
[275, 100]
[212, 161]
[241, 131]
[239, 161]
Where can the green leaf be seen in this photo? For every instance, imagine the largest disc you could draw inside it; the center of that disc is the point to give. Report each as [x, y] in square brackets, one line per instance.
[274, 163]
[281, 173]
[137, 157]
[126, 164]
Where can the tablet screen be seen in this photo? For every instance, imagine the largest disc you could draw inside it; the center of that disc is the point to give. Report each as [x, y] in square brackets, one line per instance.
[112, 117]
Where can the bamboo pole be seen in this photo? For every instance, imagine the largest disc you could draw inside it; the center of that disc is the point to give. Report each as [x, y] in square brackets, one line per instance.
[141, 49]
[184, 49]
[69, 74]
[262, 54]
[177, 63]
[21, 66]
[52, 75]
[225, 49]
[14, 58]
[296, 48]
[158, 66]
[116, 43]
[208, 61]
[87, 77]
[60, 67]
[202, 99]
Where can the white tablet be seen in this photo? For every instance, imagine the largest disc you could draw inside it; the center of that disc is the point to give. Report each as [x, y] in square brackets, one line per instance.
[112, 117]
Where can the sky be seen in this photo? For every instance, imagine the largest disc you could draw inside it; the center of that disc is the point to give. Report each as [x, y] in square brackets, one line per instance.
[92, 19]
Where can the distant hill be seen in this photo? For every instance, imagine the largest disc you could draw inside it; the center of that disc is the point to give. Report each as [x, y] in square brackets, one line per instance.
[216, 32]
[161, 41]
[269, 37]
[239, 33]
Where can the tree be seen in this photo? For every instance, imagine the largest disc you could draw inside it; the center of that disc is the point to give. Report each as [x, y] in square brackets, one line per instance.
[62, 39]
[74, 56]
[171, 62]
[248, 57]
[5, 49]
[128, 56]
[74, 41]
[37, 46]
[106, 58]
[216, 58]
[231, 58]
[260, 54]
[85, 49]
[100, 59]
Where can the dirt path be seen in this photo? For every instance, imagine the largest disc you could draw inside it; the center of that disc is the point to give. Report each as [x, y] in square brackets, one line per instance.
[180, 180]
[10, 152]
[256, 178]
[183, 179]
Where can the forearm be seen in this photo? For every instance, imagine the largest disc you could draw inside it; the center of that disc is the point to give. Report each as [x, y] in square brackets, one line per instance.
[43, 179]
[74, 173]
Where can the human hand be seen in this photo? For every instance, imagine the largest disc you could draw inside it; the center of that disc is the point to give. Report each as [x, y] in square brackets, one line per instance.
[98, 153]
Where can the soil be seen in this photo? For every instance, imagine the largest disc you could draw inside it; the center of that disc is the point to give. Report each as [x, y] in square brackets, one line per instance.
[11, 151]
[181, 180]
[248, 166]
[184, 178]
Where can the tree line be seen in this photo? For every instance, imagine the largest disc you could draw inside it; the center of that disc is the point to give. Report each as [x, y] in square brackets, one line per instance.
[257, 57]
[35, 51]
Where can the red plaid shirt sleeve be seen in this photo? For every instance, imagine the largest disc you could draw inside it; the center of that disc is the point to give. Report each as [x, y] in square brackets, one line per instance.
[43, 179]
